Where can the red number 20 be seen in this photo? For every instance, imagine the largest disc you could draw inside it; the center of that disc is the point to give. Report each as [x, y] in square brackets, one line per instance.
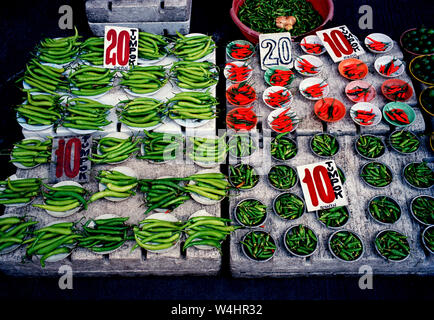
[121, 43]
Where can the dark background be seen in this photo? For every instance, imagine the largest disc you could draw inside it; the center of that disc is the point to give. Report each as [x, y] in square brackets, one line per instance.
[24, 23]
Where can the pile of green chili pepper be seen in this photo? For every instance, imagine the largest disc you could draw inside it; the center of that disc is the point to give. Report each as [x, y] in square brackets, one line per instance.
[192, 105]
[419, 175]
[141, 112]
[192, 48]
[370, 146]
[376, 174]
[194, 75]
[13, 231]
[19, 191]
[63, 198]
[243, 176]
[384, 209]
[207, 231]
[251, 212]
[213, 185]
[301, 240]
[404, 141]
[346, 245]
[90, 81]
[60, 50]
[158, 146]
[324, 145]
[288, 206]
[114, 149]
[341, 175]
[117, 185]
[392, 245]
[259, 245]
[86, 114]
[428, 238]
[208, 150]
[44, 78]
[40, 109]
[334, 217]
[152, 46]
[422, 208]
[144, 79]
[241, 145]
[156, 234]
[52, 240]
[260, 15]
[92, 51]
[282, 177]
[104, 235]
[31, 152]
[283, 148]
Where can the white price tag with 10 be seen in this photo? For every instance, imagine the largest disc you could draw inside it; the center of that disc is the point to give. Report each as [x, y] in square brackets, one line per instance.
[321, 185]
[275, 50]
[340, 43]
[120, 47]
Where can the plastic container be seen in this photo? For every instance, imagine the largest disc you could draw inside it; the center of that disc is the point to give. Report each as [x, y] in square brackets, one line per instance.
[324, 7]
[298, 254]
[396, 82]
[336, 103]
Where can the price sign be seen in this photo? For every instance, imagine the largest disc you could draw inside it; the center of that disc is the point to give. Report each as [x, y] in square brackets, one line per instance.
[340, 43]
[321, 185]
[120, 47]
[69, 159]
[275, 50]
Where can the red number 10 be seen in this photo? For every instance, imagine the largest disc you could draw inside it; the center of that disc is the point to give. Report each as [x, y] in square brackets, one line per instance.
[63, 154]
[122, 44]
[338, 43]
[316, 187]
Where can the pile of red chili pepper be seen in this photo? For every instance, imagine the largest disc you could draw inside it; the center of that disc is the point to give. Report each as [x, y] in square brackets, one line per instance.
[377, 45]
[307, 67]
[364, 117]
[397, 92]
[315, 91]
[241, 119]
[389, 68]
[284, 122]
[358, 93]
[278, 98]
[352, 70]
[312, 47]
[237, 73]
[328, 111]
[398, 115]
[240, 51]
[281, 77]
[241, 94]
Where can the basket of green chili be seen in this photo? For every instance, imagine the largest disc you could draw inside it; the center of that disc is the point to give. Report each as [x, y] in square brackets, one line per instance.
[418, 175]
[283, 148]
[282, 177]
[243, 176]
[428, 239]
[422, 209]
[376, 174]
[384, 209]
[259, 16]
[346, 245]
[369, 146]
[241, 145]
[288, 206]
[324, 145]
[392, 245]
[404, 141]
[250, 212]
[333, 218]
[258, 246]
[301, 241]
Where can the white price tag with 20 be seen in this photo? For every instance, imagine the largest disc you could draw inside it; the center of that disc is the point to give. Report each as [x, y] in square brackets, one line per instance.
[120, 47]
[321, 185]
[340, 43]
[275, 50]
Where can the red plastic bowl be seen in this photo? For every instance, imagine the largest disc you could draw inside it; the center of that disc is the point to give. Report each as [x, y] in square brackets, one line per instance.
[397, 82]
[329, 101]
[324, 7]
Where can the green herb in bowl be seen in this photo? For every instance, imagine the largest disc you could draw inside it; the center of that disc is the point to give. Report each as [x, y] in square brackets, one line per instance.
[419, 175]
[300, 240]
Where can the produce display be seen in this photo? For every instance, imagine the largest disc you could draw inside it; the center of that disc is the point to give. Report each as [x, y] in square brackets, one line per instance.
[419, 40]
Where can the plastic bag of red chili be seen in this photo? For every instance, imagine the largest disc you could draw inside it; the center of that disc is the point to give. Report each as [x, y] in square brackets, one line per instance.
[240, 94]
[241, 119]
